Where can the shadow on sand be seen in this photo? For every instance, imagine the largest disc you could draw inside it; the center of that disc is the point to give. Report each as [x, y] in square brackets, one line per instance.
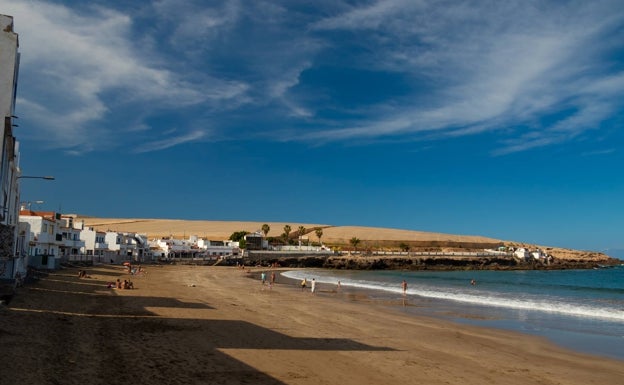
[90, 333]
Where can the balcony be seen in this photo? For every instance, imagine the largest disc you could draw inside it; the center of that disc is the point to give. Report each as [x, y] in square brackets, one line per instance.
[73, 243]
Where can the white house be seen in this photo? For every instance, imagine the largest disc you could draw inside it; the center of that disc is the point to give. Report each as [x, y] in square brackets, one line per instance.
[72, 247]
[44, 239]
[538, 254]
[127, 247]
[522, 253]
[218, 248]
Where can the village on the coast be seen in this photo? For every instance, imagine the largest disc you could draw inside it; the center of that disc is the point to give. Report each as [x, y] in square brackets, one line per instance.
[49, 240]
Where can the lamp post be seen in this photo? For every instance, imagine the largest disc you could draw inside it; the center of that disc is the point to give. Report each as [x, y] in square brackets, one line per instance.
[26, 205]
[47, 177]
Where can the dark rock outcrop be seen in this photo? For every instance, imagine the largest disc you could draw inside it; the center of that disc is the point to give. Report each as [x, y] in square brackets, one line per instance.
[432, 263]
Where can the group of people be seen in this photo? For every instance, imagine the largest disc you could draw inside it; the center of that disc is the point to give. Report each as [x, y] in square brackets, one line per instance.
[304, 284]
[125, 284]
[263, 277]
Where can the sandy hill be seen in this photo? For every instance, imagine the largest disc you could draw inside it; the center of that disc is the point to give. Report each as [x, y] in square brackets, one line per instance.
[220, 230]
[373, 237]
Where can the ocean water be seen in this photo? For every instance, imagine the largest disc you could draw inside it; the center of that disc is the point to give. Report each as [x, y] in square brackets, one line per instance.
[581, 310]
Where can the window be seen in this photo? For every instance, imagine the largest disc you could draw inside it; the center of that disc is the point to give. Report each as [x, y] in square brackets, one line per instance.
[44, 228]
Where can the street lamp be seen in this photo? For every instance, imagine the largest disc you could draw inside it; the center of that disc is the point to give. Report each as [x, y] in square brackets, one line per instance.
[47, 177]
[27, 204]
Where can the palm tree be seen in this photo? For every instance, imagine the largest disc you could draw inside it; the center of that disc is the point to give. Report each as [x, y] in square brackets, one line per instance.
[265, 229]
[287, 232]
[354, 242]
[319, 234]
[301, 231]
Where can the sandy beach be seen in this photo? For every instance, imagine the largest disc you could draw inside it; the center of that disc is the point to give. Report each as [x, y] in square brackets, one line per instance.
[215, 325]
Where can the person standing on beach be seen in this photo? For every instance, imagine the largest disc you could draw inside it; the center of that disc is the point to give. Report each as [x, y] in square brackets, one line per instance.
[313, 287]
[404, 286]
[263, 277]
[272, 278]
[304, 283]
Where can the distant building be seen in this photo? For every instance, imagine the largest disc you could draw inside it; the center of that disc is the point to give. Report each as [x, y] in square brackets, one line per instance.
[522, 254]
[255, 241]
[72, 247]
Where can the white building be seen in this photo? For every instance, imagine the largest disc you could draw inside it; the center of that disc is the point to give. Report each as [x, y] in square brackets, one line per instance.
[218, 248]
[95, 246]
[538, 254]
[72, 247]
[44, 238]
[9, 149]
[194, 247]
[522, 254]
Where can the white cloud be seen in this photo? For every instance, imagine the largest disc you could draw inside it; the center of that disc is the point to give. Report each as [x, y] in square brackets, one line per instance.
[193, 22]
[79, 68]
[493, 65]
[171, 141]
[536, 72]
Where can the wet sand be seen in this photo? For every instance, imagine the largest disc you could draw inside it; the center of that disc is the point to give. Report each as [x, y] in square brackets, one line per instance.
[200, 325]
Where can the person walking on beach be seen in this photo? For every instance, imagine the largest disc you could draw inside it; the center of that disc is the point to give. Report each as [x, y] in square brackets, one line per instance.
[313, 287]
[404, 286]
[304, 283]
[272, 282]
[263, 277]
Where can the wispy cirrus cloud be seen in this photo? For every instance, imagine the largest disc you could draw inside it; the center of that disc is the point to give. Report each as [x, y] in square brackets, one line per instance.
[81, 71]
[538, 74]
[494, 66]
[172, 140]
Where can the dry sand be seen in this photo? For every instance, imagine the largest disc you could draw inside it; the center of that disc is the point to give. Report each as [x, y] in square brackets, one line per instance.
[220, 230]
[214, 325]
[374, 237]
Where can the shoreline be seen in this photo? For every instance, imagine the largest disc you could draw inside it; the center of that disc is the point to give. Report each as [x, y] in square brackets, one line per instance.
[465, 314]
[195, 325]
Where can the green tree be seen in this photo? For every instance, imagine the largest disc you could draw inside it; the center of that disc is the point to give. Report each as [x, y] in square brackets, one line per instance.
[404, 246]
[319, 233]
[287, 230]
[354, 242]
[265, 229]
[300, 233]
[238, 236]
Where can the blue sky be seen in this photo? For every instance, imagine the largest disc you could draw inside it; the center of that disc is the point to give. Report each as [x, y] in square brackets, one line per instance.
[491, 118]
